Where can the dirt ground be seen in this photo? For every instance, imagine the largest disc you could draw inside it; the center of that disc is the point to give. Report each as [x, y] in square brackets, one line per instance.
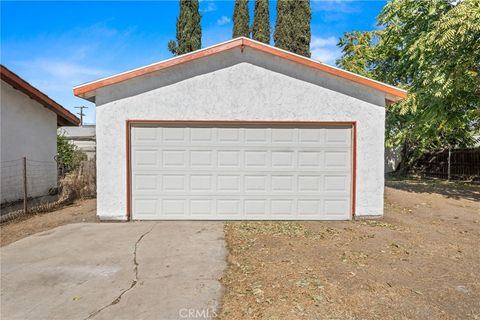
[80, 211]
[421, 261]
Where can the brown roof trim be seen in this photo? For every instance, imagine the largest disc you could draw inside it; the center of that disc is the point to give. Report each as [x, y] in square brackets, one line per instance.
[64, 117]
[92, 86]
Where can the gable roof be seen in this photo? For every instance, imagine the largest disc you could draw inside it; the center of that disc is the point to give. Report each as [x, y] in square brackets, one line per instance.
[64, 117]
[86, 90]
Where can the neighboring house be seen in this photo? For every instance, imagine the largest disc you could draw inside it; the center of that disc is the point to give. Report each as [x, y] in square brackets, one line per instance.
[83, 137]
[239, 131]
[29, 121]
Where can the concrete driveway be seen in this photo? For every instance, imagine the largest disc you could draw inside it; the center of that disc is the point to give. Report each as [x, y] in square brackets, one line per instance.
[137, 270]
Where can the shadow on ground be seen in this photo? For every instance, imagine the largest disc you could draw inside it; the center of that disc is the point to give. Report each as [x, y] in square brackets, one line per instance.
[455, 190]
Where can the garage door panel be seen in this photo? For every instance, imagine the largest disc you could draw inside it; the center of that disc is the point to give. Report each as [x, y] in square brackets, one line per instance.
[174, 135]
[146, 182]
[201, 158]
[201, 135]
[174, 183]
[203, 207]
[147, 134]
[335, 207]
[310, 159]
[309, 183]
[174, 158]
[309, 207]
[233, 172]
[228, 207]
[256, 207]
[310, 136]
[282, 207]
[145, 157]
[256, 183]
[337, 137]
[228, 183]
[283, 135]
[174, 207]
[336, 183]
[202, 183]
[228, 135]
[256, 135]
[283, 159]
[339, 160]
[228, 159]
[255, 159]
[145, 207]
[282, 183]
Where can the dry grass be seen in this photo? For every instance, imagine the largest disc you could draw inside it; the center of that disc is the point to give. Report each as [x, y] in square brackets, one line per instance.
[79, 184]
[419, 262]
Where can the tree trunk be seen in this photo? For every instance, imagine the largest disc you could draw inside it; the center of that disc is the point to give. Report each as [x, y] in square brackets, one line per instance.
[403, 166]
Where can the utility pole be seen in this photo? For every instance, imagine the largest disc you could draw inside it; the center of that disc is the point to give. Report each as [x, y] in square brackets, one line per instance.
[81, 114]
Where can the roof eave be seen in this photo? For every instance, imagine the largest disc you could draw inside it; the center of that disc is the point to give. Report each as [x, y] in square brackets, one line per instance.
[64, 117]
[87, 90]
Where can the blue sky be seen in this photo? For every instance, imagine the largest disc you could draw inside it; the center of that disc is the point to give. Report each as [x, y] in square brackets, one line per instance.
[57, 45]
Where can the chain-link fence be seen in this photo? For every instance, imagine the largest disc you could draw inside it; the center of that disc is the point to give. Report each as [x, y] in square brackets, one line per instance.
[25, 180]
[33, 186]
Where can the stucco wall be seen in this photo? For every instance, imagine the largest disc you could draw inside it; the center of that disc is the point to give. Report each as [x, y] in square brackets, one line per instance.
[238, 86]
[27, 130]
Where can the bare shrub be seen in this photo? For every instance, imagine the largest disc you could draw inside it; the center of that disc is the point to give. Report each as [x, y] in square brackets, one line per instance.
[79, 183]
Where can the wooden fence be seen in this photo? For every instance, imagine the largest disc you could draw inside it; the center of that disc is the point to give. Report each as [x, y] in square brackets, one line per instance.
[455, 164]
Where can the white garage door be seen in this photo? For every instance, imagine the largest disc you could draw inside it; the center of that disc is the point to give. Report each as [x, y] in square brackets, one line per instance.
[237, 172]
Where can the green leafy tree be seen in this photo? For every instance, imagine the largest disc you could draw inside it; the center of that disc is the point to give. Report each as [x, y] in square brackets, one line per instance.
[241, 19]
[261, 22]
[431, 48]
[358, 52]
[68, 155]
[292, 26]
[189, 31]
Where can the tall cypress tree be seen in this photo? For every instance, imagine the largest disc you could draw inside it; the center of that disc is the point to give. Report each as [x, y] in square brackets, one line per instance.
[189, 31]
[241, 19]
[302, 31]
[283, 25]
[292, 27]
[261, 22]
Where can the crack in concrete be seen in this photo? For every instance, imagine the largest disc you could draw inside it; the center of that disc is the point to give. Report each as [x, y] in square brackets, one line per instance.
[134, 281]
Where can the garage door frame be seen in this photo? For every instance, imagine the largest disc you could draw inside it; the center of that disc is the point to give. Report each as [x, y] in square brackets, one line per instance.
[129, 123]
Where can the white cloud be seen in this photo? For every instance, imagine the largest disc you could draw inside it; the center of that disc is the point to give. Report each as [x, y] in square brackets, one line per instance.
[322, 42]
[57, 75]
[223, 20]
[325, 49]
[208, 6]
[67, 69]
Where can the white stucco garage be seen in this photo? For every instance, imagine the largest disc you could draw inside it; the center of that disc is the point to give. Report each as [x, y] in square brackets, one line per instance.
[240, 130]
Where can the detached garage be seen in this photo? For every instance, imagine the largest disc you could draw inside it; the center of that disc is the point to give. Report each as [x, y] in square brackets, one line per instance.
[239, 131]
